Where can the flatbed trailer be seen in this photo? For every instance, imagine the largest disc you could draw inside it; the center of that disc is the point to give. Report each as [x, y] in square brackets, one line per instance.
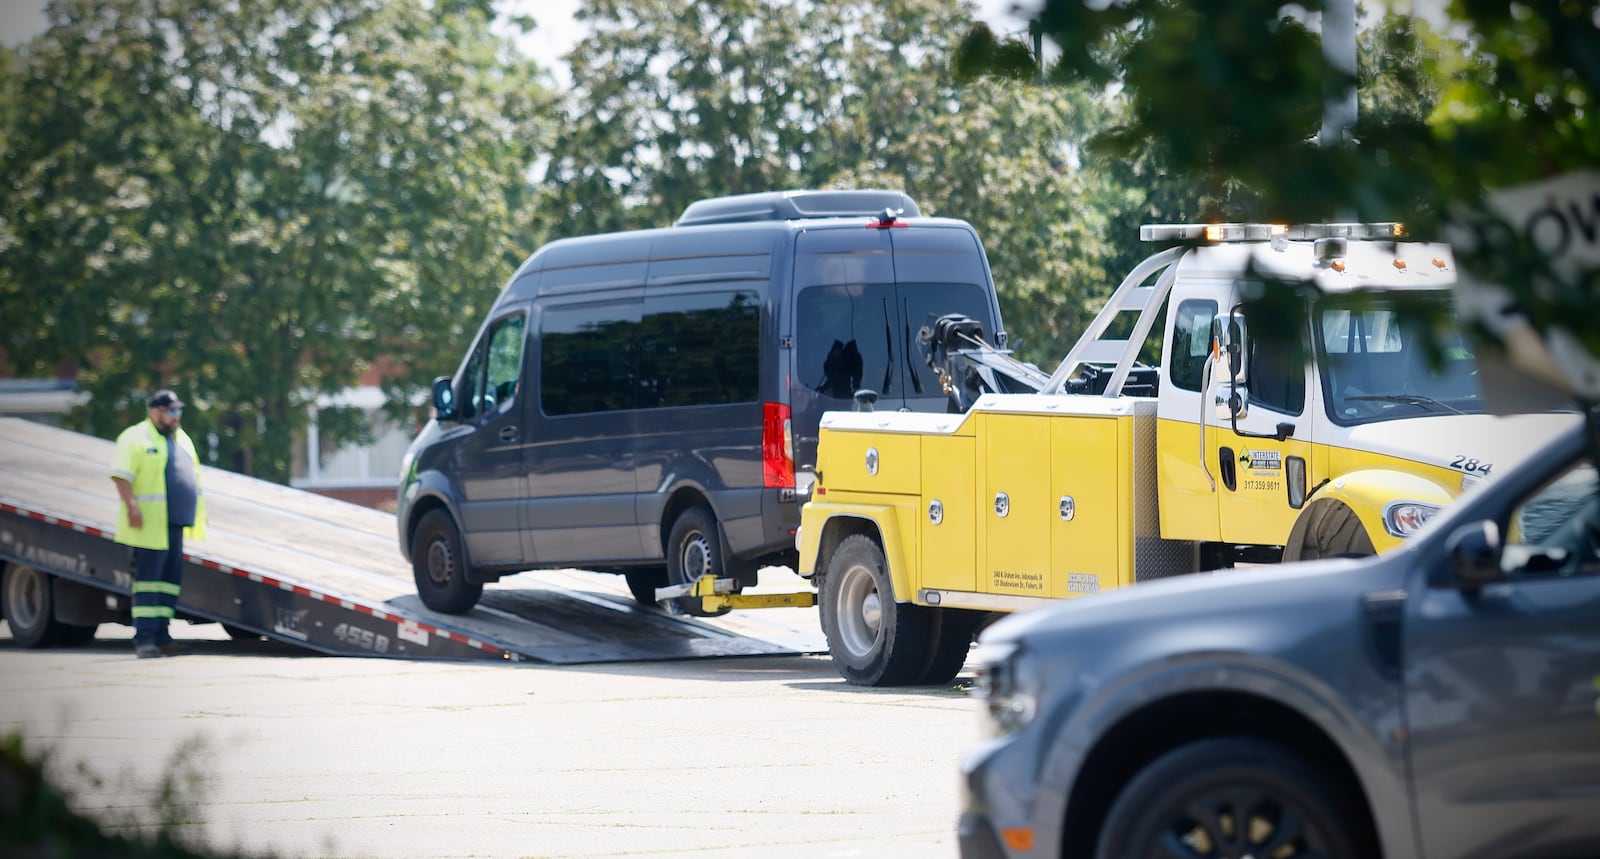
[308, 570]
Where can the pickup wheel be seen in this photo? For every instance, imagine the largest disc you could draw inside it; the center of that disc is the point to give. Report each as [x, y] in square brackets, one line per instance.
[694, 549]
[28, 607]
[643, 583]
[1230, 797]
[439, 565]
[1330, 530]
[874, 640]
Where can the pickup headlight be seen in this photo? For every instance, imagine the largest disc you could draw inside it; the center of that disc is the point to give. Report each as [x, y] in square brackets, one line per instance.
[1404, 518]
[1008, 685]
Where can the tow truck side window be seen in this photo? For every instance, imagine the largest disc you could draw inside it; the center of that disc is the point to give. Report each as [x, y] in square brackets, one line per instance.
[1277, 378]
[1191, 343]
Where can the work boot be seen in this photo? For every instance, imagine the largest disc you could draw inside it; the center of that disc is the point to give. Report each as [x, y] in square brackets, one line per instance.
[146, 651]
[174, 648]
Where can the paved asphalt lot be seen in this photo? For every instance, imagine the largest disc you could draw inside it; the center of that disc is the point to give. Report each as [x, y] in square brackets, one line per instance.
[303, 755]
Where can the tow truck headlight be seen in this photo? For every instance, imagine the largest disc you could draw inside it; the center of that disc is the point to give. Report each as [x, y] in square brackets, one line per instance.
[1007, 683]
[1404, 518]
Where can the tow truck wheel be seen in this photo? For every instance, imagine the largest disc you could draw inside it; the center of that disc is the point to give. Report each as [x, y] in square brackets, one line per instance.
[693, 550]
[439, 564]
[874, 640]
[1330, 530]
[950, 633]
[1234, 797]
[28, 607]
[643, 583]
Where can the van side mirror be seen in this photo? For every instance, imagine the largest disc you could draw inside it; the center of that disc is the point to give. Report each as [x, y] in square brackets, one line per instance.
[444, 399]
[1475, 551]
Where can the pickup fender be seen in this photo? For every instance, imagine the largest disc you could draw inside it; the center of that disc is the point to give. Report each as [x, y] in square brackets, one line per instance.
[1367, 492]
[823, 526]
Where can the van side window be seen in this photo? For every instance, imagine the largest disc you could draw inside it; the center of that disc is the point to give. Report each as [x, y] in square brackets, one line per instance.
[1556, 531]
[505, 363]
[1191, 343]
[586, 354]
[699, 349]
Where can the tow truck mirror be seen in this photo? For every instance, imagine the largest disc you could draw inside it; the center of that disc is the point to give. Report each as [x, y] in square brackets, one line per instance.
[1234, 335]
[1475, 551]
[444, 399]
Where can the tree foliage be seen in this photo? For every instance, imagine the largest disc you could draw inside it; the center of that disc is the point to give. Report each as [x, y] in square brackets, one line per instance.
[253, 201]
[675, 103]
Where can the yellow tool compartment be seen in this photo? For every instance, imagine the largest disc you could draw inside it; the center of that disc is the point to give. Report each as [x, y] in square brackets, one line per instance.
[1024, 499]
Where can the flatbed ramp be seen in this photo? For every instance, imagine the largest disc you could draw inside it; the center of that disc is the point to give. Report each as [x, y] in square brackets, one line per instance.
[328, 576]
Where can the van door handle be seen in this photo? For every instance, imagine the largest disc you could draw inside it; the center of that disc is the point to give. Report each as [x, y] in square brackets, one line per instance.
[508, 433]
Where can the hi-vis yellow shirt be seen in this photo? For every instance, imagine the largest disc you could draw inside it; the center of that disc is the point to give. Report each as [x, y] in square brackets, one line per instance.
[141, 459]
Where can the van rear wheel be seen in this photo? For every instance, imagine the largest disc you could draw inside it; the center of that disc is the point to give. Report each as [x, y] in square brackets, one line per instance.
[439, 565]
[694, 549]
[643, 583]
[874, 640]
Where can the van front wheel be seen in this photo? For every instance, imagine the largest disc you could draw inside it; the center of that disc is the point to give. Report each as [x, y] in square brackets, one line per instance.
[874, 640]
[439, 565]
[694, 549]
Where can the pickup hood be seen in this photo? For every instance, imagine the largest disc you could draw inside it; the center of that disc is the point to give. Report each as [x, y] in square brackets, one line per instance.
[1499, 441]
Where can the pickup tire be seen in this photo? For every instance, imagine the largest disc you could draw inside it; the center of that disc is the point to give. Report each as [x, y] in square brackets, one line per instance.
[1330, 529]
[694, 549]
[30, 610]
[439, 565]
[1231, 796]
[874, 640]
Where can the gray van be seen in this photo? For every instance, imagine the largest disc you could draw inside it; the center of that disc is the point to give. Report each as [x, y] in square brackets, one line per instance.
[647, 402]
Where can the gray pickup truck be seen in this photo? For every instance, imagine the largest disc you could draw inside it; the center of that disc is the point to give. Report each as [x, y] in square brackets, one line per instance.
[1439, 701]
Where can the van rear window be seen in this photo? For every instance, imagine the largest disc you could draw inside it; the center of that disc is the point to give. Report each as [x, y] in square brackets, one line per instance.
[865, 335]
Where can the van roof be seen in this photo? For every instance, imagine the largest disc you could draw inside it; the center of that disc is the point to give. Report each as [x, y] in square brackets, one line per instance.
[796, 205]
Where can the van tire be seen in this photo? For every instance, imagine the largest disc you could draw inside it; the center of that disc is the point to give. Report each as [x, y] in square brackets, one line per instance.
[694, 548]
[439, 565]
[1330, 529]
[643, 583]
[29, 607]
[950, 632]
[874, 640]
[1289, 799]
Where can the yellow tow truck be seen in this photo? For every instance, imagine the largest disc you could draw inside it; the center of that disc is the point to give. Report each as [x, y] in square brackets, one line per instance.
[1168, 441]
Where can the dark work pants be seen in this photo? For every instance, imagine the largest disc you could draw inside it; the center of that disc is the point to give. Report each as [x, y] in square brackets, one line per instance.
[157, 581]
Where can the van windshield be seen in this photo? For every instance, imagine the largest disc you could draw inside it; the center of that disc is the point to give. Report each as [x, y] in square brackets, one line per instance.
[1379, 367]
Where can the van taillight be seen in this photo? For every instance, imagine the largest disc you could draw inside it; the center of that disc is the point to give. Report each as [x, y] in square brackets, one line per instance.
[777, 447]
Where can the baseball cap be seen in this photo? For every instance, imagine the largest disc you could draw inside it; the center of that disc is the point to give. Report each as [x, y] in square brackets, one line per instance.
[165, 399]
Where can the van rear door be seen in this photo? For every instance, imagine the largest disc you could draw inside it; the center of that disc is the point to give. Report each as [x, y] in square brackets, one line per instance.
[860, 297]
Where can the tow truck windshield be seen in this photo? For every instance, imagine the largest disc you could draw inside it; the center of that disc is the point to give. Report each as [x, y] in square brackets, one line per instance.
[1378, 366]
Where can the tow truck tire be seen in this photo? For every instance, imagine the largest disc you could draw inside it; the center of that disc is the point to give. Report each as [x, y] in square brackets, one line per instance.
[694, 548]
[439, 565]
[643, 583]
[29, 609]
[950, 632]
[874, 640]
[1330, 530]
[1198, 793]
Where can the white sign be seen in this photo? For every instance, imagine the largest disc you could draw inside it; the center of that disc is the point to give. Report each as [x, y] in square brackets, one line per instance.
[1561, 216]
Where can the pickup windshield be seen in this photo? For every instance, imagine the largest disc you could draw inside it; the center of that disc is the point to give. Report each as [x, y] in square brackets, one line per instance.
[1378, 366]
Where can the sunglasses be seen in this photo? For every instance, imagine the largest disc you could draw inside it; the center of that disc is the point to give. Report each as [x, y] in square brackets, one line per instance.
[174, 413]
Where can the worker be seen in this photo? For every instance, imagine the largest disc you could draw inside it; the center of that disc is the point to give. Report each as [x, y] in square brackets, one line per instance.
[157, 476]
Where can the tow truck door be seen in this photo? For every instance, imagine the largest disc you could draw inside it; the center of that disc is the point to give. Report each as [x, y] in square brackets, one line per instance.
[1258, 433]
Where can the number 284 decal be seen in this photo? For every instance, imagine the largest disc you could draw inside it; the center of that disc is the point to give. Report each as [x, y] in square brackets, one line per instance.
[1470, 465]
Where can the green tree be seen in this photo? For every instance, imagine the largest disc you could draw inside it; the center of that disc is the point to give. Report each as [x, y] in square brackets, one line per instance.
[254, 201]
[1233, 93]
